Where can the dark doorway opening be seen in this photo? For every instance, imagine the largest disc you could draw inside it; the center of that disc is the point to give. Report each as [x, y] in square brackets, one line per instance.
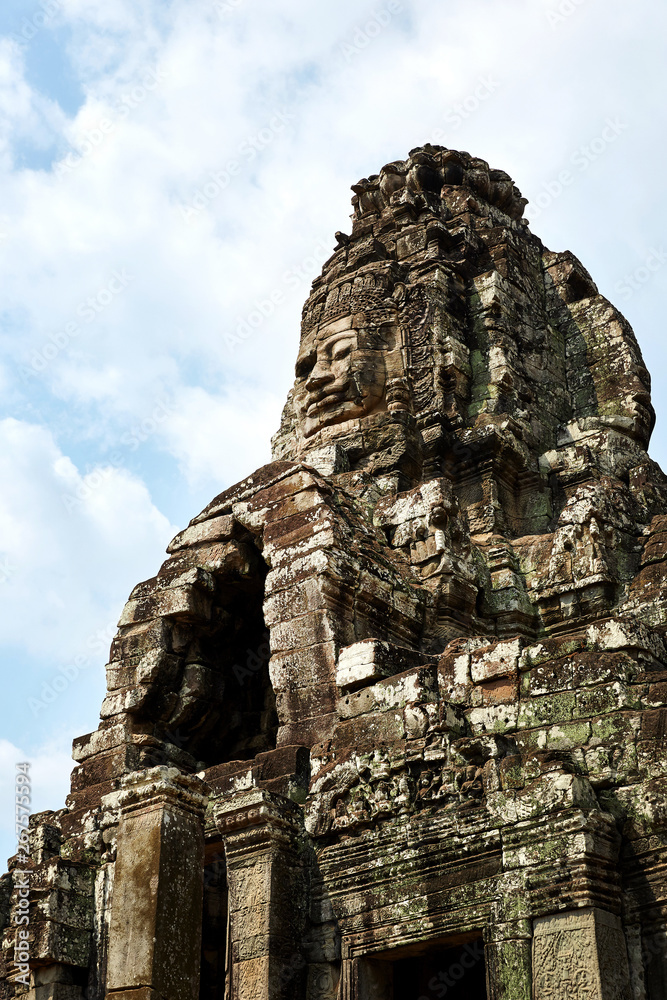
[221, 705]
[457, 972]
[214, 943]
[655, 963]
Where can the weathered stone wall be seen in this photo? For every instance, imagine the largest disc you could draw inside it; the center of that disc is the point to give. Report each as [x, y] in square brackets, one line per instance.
[406, 686]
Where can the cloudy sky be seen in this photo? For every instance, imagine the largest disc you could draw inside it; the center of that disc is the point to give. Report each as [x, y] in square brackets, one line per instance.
[172, 175]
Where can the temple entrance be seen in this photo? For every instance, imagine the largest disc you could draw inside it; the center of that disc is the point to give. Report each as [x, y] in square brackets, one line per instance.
[457, 973]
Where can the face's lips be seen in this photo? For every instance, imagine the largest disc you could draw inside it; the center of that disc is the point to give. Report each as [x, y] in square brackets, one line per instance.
[644, 414]
[324, 401]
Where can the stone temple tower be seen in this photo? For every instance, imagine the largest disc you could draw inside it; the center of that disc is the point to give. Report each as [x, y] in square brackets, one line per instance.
[390, 721]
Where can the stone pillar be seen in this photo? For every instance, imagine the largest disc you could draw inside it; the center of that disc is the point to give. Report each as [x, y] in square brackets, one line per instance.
[268, 893]
[156, 907]
[507, 942]
[581, 953]
[366, 979]
[508, 962]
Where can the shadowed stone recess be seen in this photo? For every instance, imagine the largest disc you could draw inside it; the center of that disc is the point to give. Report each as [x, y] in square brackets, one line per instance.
[391, 719]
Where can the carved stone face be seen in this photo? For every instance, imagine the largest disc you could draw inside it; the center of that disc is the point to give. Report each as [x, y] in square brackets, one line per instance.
[639, 408]
[340, 377]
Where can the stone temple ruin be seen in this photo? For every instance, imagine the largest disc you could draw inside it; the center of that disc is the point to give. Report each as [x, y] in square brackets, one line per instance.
[391, 720]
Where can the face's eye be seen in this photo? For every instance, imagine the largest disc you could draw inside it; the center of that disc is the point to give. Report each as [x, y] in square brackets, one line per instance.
[305, 364]
[341, 350]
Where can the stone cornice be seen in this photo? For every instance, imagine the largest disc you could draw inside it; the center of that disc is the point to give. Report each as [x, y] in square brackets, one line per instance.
[258, 812]
[162, 786]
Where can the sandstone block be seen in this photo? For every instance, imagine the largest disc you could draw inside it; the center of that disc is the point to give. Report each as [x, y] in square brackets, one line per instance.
[215, 529]
[412, 686]
[371, 660]
[596, 962]
[498, 661]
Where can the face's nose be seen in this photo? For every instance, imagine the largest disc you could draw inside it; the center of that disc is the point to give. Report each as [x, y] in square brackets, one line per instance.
[319, 376]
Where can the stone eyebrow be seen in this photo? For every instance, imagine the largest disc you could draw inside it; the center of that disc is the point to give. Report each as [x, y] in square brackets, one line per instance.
[335, 337]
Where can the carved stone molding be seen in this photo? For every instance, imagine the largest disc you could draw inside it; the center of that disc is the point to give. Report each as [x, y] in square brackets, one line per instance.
[256, 816]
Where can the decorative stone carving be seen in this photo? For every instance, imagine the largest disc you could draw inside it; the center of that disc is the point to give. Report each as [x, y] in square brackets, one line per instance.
[262, 838]
[342, 376]
[580, 954]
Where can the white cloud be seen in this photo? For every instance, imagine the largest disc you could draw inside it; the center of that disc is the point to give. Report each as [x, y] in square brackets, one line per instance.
[49, 769]
[25, 114]
[72, 543]
[214, 437]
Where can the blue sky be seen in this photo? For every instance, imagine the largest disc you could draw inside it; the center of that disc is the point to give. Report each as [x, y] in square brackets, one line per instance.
[166, 167]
